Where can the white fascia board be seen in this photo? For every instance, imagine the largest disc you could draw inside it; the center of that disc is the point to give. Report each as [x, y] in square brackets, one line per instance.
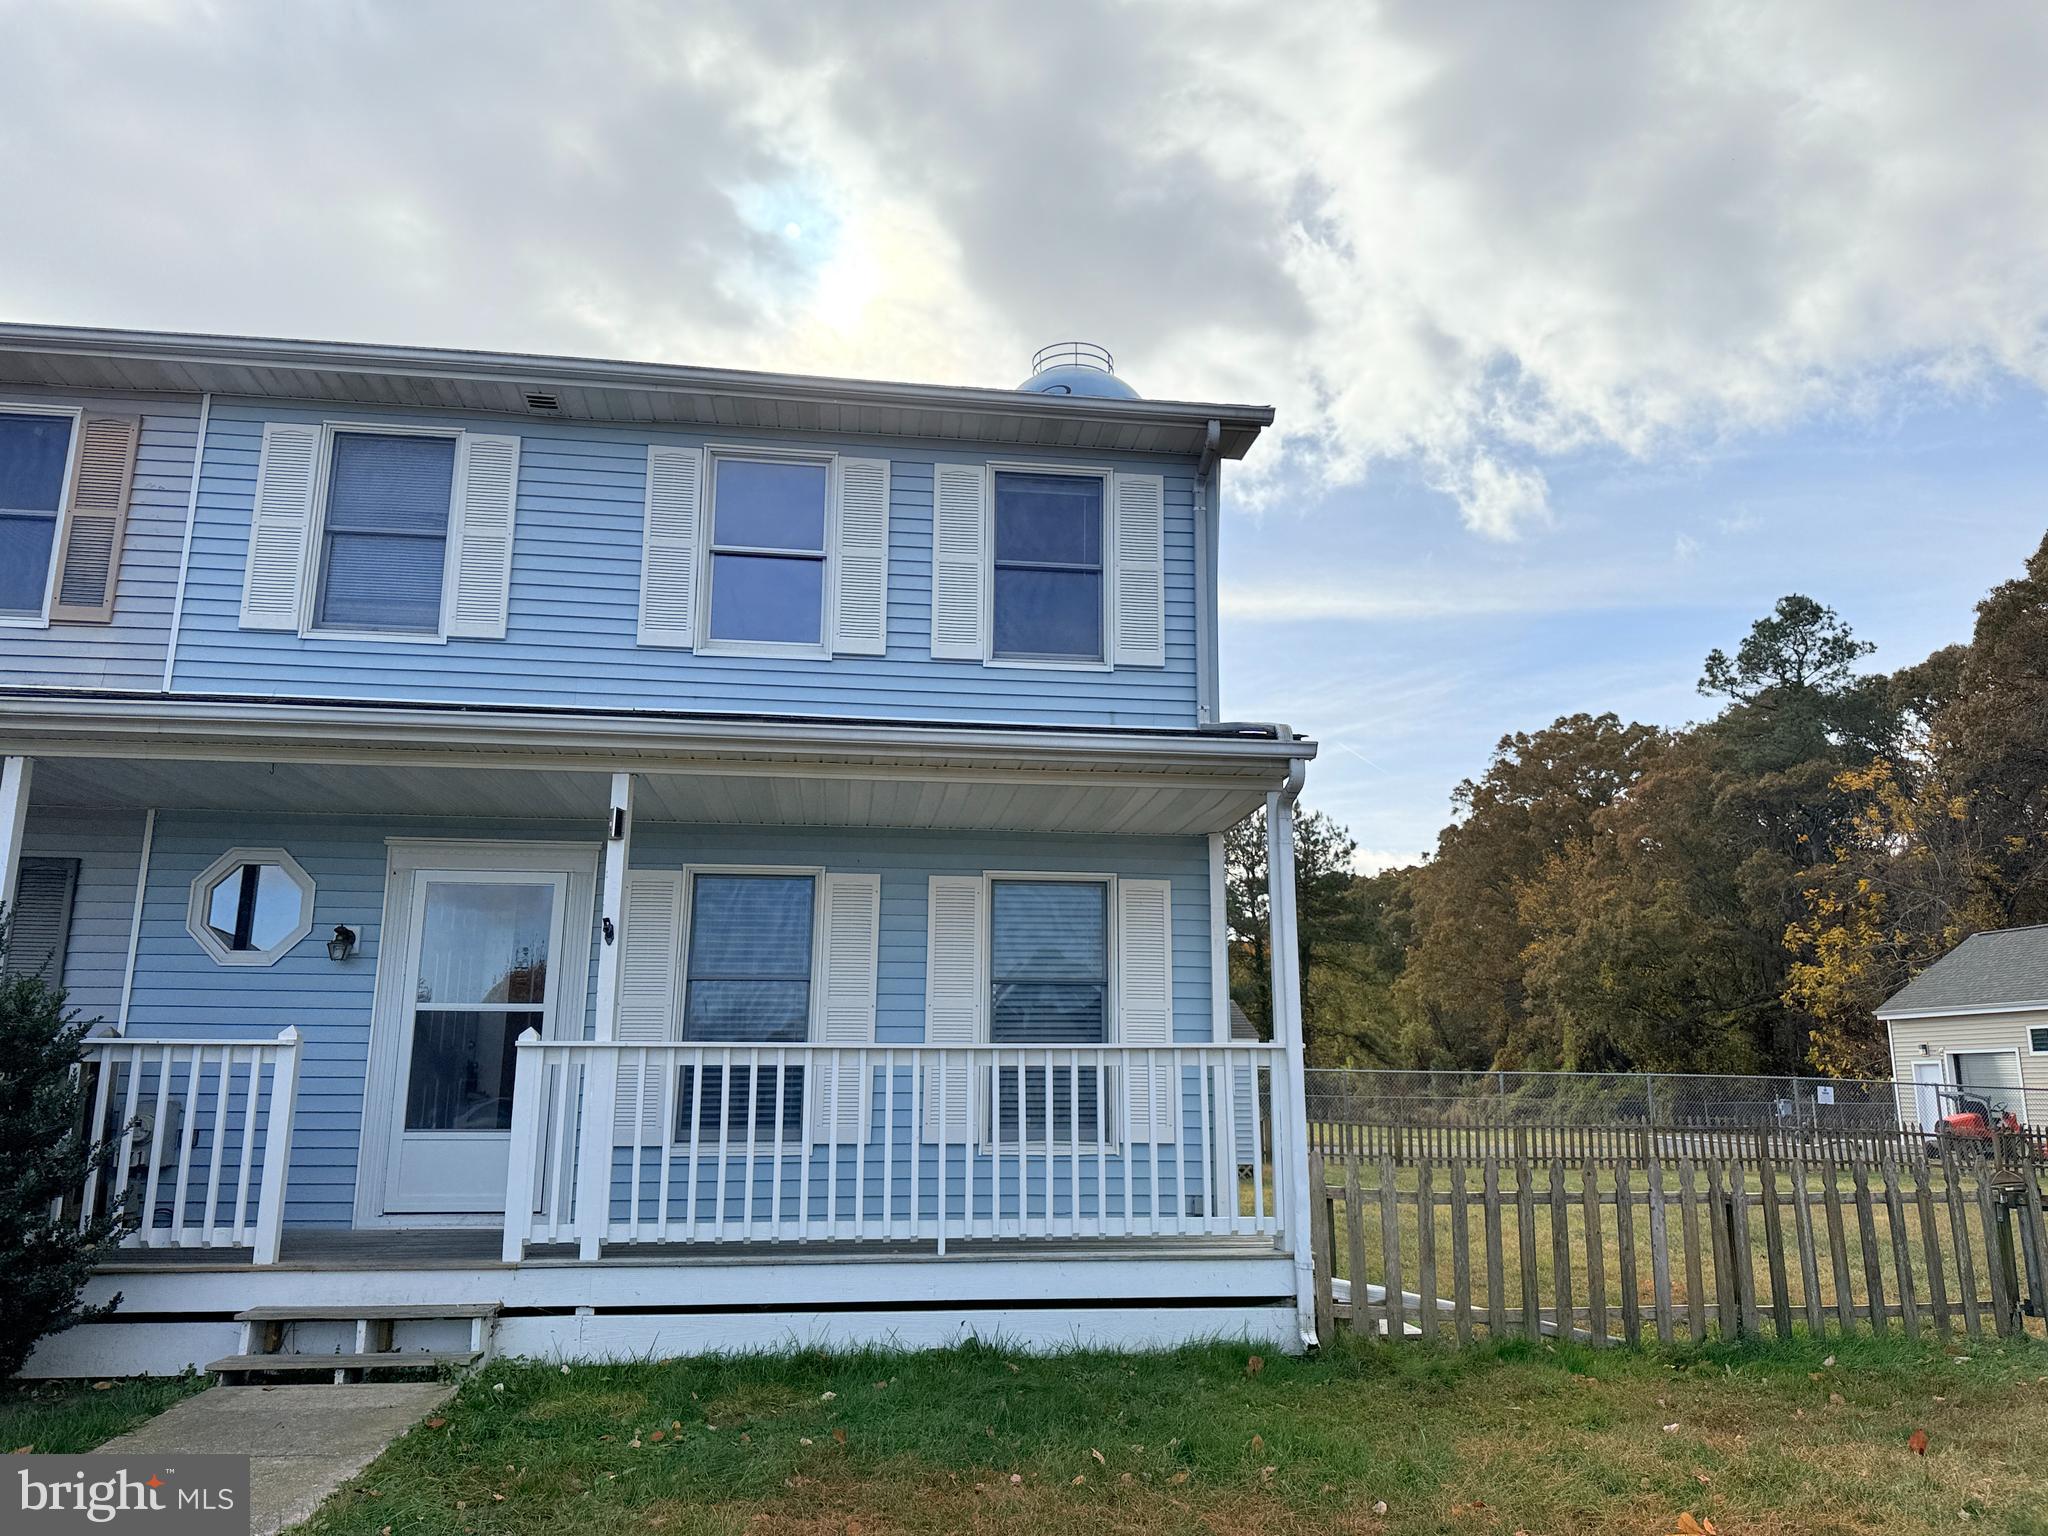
[76, 727]
[2037, 1006]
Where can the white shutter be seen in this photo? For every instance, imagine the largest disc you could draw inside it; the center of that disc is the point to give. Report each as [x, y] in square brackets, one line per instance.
[668, 552]
[1140, 570]
[482, 575]
[651, 946]
[853, 927]
[860, 622]
[959, 561]
[274, 584]
[90, 562]
[1144, 1000]
[39, 928]
[955, 987]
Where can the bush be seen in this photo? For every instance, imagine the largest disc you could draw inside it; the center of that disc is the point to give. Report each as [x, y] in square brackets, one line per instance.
[46, 1154]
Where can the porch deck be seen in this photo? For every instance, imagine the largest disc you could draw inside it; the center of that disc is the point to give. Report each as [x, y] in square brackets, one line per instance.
[475, 1248]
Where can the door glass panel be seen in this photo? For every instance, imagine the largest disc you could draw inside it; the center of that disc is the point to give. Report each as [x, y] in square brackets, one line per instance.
[462, 1063]
[484, 944]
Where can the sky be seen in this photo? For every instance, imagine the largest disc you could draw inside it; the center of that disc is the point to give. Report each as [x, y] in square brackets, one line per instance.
[1592, 329]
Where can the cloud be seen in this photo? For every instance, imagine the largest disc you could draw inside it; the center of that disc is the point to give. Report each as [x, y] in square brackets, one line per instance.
[1471, 240]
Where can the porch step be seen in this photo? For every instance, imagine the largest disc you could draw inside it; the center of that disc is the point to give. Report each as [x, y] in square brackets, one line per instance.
[392, 1360]
[366, 1314]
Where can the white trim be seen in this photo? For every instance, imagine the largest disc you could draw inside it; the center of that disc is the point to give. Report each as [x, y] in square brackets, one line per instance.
[1108, 882]
[135, 917]
[1105, 616]
[406, 857]
[61, 518]
[185, 550]
[197, 903]
[709, 644]
[309, 601]
[2038, 1006]
[1219, 941]
[2032, 1049]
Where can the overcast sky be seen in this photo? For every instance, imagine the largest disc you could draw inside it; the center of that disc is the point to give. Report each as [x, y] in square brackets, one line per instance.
[1592, 329]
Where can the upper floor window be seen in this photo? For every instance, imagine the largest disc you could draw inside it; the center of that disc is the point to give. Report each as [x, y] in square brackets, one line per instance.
[1048, 568]
[35, 454]
[384, 533]
[768, 530]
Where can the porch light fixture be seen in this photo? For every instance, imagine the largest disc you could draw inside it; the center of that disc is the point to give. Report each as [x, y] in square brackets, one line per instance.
[343, 944]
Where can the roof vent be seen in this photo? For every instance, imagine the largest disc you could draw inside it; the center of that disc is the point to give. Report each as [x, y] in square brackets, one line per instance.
[546, 401]
[1076, 368]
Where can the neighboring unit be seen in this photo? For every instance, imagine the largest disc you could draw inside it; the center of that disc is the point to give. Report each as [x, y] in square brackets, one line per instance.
[638, 858]
[1974, 1023]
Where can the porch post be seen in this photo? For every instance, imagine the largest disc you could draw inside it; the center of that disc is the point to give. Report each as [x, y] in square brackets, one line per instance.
[1291, 1111]
[601, 1076]
[14, 777]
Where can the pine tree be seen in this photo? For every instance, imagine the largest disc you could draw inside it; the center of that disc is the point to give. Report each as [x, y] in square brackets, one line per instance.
[46, 1155]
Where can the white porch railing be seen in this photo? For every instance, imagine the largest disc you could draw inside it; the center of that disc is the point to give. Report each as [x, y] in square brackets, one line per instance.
[203, 1130]
[616, 1143]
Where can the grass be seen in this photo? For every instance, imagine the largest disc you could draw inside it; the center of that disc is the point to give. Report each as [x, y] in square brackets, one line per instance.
[1500, 1438]
[59, 1418]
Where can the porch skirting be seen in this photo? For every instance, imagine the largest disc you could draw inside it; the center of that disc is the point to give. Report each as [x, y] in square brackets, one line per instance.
[177, 1310]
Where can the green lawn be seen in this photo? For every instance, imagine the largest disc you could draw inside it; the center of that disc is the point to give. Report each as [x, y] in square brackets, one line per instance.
[1514, 1437]
[65, 1417]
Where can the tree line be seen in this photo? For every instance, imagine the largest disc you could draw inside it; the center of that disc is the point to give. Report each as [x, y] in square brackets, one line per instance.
[1736, 895]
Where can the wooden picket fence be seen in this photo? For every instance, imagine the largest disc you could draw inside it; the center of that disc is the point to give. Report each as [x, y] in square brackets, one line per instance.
[1409, 1142]
[1616, 1247]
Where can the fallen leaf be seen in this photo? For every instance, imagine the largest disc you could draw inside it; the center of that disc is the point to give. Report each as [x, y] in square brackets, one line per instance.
[1266, 1474]
[102, 1386]
[1258, 1444]
[1126, 1479]
[1829, 1361]
[1917, 1442]
[803, 1440]
[853, 1528]
[437, 1423]
[1379, 1506]
[1670, 1429]
[656, 1436]
[745, 1438]
[1179, 1477]
[1253, 1366]
[497, 1498]
[1079, 1479]
[1837, 1398]
[24, 1450]
[634, 1443]
[839, 1436]
[675, 1423]
[1098, 1456]
[1016, 1478]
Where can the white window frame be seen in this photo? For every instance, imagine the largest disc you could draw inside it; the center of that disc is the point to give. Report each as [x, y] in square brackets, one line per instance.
[76, 414]
[1112, 1129]
[202, 886]
[316, 540]
[1107, 476]
[812, 1016]
[707, 643]
[2032, 1049]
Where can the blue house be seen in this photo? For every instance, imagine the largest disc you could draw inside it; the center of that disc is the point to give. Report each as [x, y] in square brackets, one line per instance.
[593, 859]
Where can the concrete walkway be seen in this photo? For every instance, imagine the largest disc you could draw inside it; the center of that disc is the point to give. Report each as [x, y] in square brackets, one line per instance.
[303, 1442]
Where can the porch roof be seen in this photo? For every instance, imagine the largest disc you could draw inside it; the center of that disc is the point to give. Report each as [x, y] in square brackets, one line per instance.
[96, 751]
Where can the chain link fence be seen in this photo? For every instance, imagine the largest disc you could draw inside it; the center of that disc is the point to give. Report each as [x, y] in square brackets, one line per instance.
[1606, 1099]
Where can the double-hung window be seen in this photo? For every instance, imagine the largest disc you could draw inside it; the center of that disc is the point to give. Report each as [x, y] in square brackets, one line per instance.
[767, 563]
[1048, 592]
[35, 458]
[1049, 978]
[747, 981]
[383, 552]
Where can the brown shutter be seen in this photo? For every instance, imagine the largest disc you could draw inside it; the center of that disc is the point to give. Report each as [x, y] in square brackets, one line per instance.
[90, 562]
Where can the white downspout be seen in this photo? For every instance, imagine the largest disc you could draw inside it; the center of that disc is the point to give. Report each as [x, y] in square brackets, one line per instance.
[1208, 515]
[1286, 973]
[185, 553]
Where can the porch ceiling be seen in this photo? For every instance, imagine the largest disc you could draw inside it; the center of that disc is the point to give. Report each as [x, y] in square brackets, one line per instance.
[297, 757]
[819, 797]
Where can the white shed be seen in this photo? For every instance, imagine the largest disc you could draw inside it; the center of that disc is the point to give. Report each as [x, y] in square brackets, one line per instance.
[1975, 1019]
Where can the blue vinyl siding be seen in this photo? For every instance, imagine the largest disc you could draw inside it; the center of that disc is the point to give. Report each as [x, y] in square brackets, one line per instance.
[129, 651]
[570, 638]
[180, 991]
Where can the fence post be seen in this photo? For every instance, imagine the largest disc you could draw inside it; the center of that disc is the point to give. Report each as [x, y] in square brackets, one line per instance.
[525, 1150]
[277, 1144]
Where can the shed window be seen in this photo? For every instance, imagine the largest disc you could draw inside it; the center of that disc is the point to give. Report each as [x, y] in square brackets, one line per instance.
[384, 539]
[1049, 973]
[2037, 1039]
[35, 451]
[747, 981]
[1048, 567]
[768, 551]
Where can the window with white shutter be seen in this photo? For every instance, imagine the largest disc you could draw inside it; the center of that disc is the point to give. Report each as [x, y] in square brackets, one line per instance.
[668, 550]
[1140, 570]
[274, 580]
[480, 592]
[384, 533]
[955, 991]
[1047, 599]
[1144, 1007]
[860, 624]
[852, 939]
[650, 947]
[1049, 985]
[747, 980]
[959, 543]
[35, 461]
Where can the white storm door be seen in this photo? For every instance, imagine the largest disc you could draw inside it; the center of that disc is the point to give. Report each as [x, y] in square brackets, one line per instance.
[481, 961]
[1926, 1095]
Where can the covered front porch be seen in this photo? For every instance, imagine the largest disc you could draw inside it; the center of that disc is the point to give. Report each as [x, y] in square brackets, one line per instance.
[267, 1122]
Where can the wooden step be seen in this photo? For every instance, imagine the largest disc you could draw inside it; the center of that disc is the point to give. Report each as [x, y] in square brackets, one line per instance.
[366, 1314]
[392, 1360]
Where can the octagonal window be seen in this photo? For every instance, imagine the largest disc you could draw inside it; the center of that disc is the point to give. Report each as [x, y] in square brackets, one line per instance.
[251, 905]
